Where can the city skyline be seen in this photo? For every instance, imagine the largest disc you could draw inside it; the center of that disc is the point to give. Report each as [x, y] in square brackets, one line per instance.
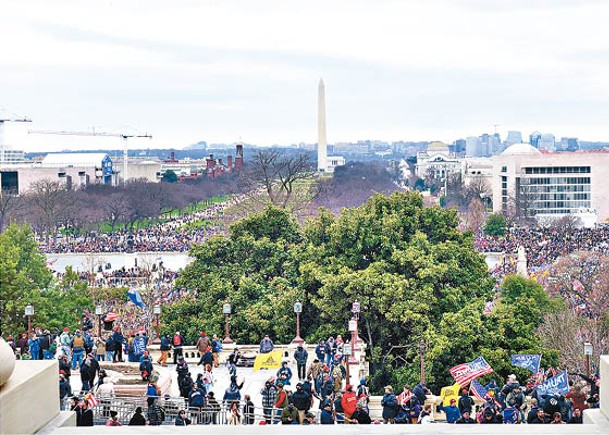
[218, 72]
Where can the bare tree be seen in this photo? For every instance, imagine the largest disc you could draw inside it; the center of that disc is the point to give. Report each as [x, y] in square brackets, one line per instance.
[476, 214]
[51, 203]
[286, 181]
[10, 202]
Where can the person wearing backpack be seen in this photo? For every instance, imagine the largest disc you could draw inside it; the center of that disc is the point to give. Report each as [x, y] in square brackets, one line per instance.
[178, 343]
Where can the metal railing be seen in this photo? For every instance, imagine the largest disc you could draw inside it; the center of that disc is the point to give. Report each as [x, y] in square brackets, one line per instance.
[220, 414]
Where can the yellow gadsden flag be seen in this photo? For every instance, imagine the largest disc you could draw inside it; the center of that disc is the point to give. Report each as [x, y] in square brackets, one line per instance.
[271, 360]
[450, 392]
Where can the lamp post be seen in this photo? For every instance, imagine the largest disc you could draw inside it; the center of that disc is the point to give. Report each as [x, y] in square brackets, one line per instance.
[98, 312]
[355, 309]
[157, 312]
[348, 352]
[422, 348]
[353, 331]
[29, 312]
[227, 310]
[588, 351]
[297, 309]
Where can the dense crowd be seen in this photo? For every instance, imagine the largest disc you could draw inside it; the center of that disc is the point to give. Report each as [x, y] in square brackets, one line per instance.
[544, 246]
[317, 392]
[175, 235]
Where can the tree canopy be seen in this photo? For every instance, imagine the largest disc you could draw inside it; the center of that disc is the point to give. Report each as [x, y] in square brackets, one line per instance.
[415, 275]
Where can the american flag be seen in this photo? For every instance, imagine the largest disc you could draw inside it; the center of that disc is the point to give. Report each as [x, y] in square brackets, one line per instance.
[464, 373]
[91, 400]
[478, 390]
[481, 393]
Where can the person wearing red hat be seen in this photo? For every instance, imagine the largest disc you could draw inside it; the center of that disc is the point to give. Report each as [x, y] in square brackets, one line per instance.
[349, 400]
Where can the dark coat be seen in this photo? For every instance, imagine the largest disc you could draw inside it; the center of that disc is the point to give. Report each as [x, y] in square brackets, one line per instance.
[390, 405]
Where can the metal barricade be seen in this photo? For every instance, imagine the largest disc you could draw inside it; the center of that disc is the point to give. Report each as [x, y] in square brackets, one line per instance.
[220, 415]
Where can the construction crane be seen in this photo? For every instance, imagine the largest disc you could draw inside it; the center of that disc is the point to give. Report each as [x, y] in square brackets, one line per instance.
[124, 136]
[2, 121]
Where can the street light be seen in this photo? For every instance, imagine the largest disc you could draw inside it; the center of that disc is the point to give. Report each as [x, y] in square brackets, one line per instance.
[29, 312]
[297, 310]
[99, 311]
[227, 310]
[588, 351]
[422, 349]
[355, 309]
[157, 312]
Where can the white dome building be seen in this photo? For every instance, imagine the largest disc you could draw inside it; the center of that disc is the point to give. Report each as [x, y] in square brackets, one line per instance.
[521, 149]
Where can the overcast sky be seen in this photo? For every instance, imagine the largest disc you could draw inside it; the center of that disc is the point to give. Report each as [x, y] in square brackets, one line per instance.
[218, 71]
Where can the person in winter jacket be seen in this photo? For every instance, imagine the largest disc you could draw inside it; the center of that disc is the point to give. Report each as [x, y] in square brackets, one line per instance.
[301, 356]
[181, 419]
[349, 401]
[268, 393]
[327, 416]
[203, 343]
[281, 402]
[146, 366]
[119, 340]
[390, 405]
[266, 345]
[284, 370]
[216, 348]
[137, 419]
[302, 402]
[164, 348]
[230, 394]
[34, 346]
[178, 344]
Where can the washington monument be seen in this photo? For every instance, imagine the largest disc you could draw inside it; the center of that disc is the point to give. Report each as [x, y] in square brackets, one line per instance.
[322, 143]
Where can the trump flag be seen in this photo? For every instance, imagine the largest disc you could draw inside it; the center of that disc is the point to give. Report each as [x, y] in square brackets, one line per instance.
[527, 361]
[558, 384]
[464, 373]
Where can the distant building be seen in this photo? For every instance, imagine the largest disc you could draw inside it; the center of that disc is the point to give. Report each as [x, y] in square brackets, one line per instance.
[11, 157]
[547, 142]
[148, 169]
[512, 138]
[534, 139]
[477, 168]
[460, 146]
[73, 170]
[530, 182]
[216, 167]
[473, 147]
[568, 144]
[437, 162]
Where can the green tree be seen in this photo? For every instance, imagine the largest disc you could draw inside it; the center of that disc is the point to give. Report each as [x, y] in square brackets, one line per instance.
[415, 275]
[23, 275]
[254, 269]
[495, 225]
[170, 177]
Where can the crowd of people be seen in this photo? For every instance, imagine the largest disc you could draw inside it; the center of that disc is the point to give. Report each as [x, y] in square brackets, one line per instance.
[174, 235]
[544, 246]
[317, 392]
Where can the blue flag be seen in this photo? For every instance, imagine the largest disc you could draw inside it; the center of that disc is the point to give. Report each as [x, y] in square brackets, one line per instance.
[558, 384]
[527, 361]
[136, 297]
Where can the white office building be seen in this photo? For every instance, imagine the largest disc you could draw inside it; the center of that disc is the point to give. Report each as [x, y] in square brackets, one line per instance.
[529, 182]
